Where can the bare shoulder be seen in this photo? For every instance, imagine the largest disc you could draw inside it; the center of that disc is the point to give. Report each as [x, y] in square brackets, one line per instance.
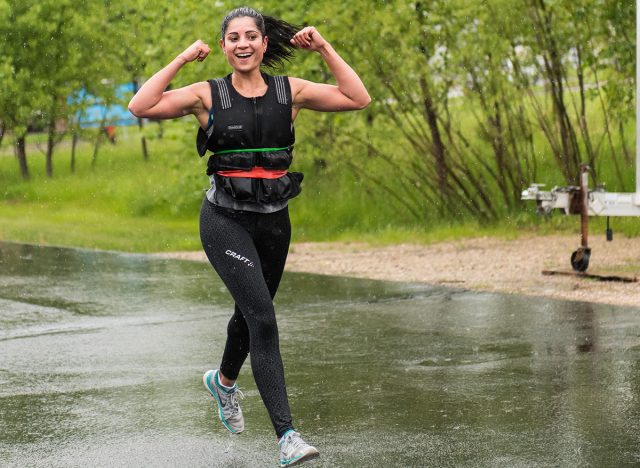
[203, 91]
[297, 85]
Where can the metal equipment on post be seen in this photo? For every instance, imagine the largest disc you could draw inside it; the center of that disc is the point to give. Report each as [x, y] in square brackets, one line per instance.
[598, 202]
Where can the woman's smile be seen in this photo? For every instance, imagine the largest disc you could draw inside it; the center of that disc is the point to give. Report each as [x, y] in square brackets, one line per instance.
[244, 57]
[243, 43]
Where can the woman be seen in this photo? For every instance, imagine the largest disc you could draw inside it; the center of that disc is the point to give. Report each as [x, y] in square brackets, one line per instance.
[246, 120]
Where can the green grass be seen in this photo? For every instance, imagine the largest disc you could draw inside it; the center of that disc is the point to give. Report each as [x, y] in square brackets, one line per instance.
[124, 203]
[128, 204]
[82, 227]
[524, 225]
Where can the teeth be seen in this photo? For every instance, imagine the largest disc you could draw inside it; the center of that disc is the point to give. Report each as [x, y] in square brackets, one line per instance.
[244, 55]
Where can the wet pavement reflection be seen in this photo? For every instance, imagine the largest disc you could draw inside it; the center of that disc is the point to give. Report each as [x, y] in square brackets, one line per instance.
[101, 357]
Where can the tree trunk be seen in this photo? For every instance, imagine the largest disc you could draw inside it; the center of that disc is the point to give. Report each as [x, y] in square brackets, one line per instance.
[569, 139]
[431, 113]
[51, 133]
[74, 142]
[96, 146]
[21, 154]
[3, 128]
[625, 149]
[568, 153]
[145, 152]
[438, 149]
[143, 140]
[582, 119]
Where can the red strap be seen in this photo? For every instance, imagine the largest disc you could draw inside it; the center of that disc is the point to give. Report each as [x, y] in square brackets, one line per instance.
[255, 173]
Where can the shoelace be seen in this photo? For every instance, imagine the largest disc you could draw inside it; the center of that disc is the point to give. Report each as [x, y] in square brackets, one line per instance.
[234, 399]
[293, 441]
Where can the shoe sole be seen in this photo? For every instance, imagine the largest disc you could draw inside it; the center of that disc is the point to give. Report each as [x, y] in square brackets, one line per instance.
[206, 380]
[302, 459]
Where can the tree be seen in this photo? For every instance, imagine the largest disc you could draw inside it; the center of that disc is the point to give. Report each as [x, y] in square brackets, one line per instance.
[150, 34]
[20, 100]
[53, 50]
[520, 69]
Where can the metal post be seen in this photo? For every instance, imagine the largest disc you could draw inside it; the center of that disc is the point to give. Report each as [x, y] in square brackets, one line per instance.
[580, 258]
[584, 205]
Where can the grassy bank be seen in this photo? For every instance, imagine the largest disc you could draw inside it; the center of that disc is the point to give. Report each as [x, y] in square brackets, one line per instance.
[128, 204]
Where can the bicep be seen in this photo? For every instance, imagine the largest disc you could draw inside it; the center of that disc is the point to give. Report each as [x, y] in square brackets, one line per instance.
[176, 103]
[319, 96]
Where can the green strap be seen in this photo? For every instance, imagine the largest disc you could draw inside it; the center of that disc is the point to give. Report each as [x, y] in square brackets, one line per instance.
[252, 150]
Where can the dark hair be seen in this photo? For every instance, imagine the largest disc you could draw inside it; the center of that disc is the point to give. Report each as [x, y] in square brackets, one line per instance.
[279, 33]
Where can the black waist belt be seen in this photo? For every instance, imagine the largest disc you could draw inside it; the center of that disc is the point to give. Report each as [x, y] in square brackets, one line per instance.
[245, 161]
[255, 190]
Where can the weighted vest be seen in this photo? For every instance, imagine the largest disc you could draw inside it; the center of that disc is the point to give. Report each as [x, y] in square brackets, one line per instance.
[244, 133]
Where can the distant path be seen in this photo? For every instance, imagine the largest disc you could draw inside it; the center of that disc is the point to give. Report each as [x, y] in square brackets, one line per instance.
[485, 264]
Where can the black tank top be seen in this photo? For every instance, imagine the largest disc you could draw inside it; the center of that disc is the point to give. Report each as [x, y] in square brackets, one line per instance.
[258, 122]
[241, 123]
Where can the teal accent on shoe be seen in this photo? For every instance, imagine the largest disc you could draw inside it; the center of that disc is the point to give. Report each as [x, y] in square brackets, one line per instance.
[222, 387]
[284, 435]
[288, 462]
[294, 450]
[213, 394]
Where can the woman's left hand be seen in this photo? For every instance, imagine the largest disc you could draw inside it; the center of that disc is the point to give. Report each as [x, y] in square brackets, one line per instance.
[308, 38]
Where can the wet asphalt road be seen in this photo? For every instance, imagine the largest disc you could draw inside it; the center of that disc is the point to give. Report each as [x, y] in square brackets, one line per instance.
[101, 357]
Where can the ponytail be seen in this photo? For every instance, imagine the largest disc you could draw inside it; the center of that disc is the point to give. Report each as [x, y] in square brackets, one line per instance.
[279, 32]
[279, 48]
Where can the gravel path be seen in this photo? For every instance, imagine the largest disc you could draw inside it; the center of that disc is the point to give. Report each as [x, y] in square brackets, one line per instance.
[484, 264]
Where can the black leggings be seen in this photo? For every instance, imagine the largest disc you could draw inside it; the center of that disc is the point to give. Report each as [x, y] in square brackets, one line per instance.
[248, 250]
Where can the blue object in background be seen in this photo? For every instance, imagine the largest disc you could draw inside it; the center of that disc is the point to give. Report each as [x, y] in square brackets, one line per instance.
[96, 110]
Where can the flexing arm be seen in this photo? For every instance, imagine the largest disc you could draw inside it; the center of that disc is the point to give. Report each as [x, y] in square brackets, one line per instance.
[349, 94]
[153, 101]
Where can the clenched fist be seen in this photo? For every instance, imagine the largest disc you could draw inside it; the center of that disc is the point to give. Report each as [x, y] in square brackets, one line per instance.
[196, 51]
[308, 38]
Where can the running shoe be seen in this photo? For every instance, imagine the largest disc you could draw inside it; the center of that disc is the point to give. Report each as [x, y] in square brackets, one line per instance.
[294, 450]
[228, 408]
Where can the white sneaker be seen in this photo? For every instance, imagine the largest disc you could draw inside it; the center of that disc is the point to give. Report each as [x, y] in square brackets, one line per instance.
[228, 408]
[294, 450]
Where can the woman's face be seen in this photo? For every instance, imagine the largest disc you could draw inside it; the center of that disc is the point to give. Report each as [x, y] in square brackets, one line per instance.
[243, 44]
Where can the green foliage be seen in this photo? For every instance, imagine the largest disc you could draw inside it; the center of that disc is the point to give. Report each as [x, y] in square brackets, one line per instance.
[465, 111]
[125, 203]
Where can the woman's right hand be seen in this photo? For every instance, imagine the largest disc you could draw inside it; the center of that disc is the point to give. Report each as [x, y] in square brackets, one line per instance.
[196, 51]
[308, 38]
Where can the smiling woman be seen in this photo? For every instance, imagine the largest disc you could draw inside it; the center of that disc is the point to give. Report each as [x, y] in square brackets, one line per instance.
[280, 33]
[246, 122]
